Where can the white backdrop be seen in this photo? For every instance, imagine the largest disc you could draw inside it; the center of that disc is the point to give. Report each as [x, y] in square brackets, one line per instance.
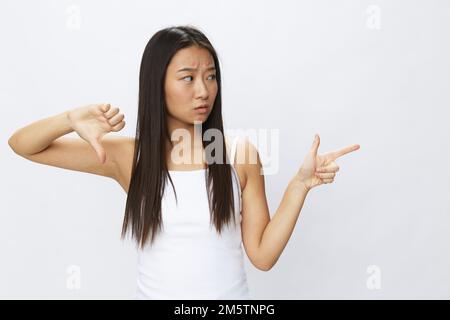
[375, 73]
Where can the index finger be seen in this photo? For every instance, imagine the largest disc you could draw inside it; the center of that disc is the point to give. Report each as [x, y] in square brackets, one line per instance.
[341, 152]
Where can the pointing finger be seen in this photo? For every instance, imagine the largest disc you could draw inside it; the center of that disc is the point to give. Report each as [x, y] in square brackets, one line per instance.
[336, 154]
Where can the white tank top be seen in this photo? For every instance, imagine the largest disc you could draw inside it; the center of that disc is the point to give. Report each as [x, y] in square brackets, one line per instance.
[189, 259]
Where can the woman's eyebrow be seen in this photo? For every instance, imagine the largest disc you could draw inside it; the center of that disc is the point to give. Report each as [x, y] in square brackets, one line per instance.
[195, 69]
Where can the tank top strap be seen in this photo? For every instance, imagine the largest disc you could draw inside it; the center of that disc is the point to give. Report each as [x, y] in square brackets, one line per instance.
[233, 147]
[232, 153]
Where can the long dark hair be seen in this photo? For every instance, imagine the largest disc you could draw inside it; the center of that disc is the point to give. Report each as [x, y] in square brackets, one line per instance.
[149, 170]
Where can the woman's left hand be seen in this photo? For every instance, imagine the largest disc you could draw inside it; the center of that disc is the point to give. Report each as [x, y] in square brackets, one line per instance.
[320, 169]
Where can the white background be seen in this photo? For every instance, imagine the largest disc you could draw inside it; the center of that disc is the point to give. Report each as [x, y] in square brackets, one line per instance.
[375, 73]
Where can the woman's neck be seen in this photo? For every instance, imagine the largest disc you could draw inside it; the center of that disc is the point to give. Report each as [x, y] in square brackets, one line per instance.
[186, 149]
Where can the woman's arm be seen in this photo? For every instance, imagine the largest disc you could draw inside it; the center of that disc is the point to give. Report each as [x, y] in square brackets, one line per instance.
[41, 141]
[279, 230]
[264, 239]
[38, 135]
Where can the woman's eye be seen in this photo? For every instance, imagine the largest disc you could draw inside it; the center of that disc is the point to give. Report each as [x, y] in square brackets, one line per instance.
[212, 75]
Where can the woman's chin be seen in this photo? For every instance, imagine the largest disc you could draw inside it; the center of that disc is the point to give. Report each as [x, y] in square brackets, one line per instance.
[200, 119]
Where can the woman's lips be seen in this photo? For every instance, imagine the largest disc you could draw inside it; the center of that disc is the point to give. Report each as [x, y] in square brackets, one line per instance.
[201, 110]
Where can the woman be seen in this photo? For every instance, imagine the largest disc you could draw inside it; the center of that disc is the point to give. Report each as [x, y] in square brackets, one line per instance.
[189, 236]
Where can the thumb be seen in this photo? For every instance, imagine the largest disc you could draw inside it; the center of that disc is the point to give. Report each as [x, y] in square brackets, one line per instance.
[101, 154]
[315, 145]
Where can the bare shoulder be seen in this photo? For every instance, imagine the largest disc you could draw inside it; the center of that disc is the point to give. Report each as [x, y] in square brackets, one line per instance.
[246, 161]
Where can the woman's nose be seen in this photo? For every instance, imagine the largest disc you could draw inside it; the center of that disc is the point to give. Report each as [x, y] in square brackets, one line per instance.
[201, 89]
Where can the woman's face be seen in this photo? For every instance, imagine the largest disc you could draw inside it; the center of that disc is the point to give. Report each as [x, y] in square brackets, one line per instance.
[190, 82]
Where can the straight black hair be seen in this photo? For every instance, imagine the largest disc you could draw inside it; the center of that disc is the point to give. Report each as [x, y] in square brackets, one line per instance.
[149, 169]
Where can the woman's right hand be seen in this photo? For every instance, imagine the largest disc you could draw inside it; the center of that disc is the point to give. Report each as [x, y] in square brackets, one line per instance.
[92, 122]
